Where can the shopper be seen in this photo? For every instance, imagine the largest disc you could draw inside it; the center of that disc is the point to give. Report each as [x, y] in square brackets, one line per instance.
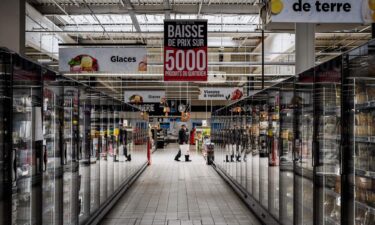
[183, 141]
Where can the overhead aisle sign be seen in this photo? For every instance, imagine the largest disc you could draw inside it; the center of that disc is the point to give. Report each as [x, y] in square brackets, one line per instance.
[322, 11]
[220, 93]
[103, 60]
[185, 50]
[145, 100]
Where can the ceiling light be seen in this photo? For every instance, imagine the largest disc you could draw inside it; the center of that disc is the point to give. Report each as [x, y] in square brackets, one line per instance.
[44, 60]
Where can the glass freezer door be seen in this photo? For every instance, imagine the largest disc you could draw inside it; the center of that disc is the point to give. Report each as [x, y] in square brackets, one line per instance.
[303, 142]
[84, 156]
[273, 149]
[94, 157]
[110, 146]
[286, 176]
[359, 138]
[27, 143]
[116, 145]
[103, 149]
[327, 143]
[70, 154]
[52, 171]
[6, 166]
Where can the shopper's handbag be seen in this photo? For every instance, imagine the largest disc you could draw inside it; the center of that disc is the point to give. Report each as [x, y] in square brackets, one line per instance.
[184, 149]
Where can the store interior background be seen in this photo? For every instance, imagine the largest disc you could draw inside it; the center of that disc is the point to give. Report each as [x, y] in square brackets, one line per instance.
[234, 40]
[241, 55]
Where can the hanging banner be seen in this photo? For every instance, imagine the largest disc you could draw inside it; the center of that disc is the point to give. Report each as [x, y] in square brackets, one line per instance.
[322, 11]
[146, 101]
[138, 97]
[103, 60]
[220, 93]
[185, 50]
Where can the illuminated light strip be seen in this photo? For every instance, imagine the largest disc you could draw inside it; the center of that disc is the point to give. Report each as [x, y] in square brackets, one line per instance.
[161, 75]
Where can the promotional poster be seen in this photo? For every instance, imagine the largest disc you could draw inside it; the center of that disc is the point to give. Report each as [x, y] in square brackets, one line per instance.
[185, 50]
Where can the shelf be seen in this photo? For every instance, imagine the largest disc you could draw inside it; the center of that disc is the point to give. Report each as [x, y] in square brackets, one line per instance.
[331, 221]
[328, 110]
[329, 137]
[365, 106]
[365, 207]
[331, 193]
[364, 173]
[368, 139]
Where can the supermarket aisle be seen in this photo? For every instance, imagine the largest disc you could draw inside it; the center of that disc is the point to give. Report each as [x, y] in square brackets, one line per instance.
[171, 193]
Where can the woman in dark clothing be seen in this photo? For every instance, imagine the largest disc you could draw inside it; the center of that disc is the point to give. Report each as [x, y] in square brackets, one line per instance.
[183, 141]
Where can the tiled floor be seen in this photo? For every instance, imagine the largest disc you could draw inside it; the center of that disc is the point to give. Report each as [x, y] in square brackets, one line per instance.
[179, 193]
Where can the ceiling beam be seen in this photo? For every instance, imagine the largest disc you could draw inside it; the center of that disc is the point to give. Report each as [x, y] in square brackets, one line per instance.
[238, 9]
[129, 6]
[167, 10]
[200, 9]
[97, 20]
[131, 11]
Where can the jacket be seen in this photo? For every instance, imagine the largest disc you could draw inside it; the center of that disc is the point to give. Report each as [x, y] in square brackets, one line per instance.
[183, 137]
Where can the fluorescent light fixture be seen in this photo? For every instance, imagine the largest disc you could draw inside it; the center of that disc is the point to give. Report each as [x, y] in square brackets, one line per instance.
[44, 60]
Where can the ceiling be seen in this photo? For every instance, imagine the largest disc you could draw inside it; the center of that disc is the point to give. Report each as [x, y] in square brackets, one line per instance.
[234, 40]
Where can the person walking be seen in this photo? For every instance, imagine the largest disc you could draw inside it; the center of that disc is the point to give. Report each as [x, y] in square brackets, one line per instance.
[183, 141]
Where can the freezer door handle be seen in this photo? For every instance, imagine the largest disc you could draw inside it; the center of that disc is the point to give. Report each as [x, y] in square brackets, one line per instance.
[64, 154]
[45, 158]
[14, 164]
[297, 150]
[313, 153]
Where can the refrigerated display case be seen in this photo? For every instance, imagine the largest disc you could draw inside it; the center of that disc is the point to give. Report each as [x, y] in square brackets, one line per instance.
[110, 147]
[27, 145]
[84, 152]
[71, 183]
[95, 153]
[263, 125]
[303, 144]
[6, 153]
[260, 167]
[244, 150]
[286, 175]
[50, 145]
[116, 143]
[325, 173]
[249, 153]
[358, 198]
[52, 166]
[103, 162]
[273, 142]
[327, 140]
[254, 128]
[273, 126]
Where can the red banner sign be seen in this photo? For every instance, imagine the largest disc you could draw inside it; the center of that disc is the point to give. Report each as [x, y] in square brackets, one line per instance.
[185, 50]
